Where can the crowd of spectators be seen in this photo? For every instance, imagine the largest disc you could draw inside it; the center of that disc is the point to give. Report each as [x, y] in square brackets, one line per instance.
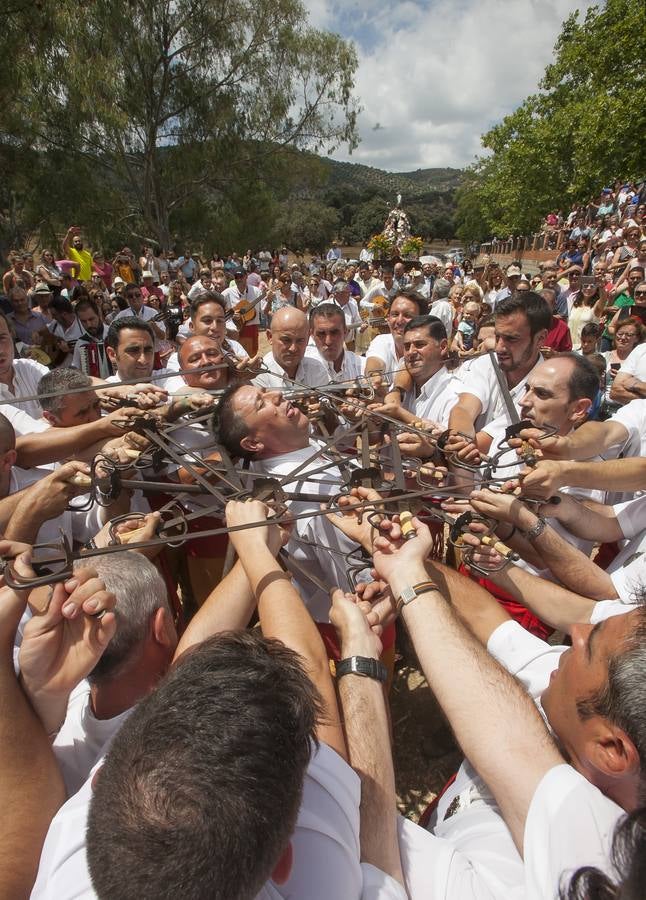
[453, 446]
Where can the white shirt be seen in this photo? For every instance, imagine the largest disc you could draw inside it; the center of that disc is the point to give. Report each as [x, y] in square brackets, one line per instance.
[161, 378]
[480, 380]
[352, 366]
[633, 417]
[436, 398]
[146, 313]
[628, 569]
[325, 844]
[69, 335]
[21, 421]
[26, 377]
[444, 312]
[311, 536]
[83, 739]
[351, 316]
[635, 363]
[383, 347]
[310, 373]
[232, 295]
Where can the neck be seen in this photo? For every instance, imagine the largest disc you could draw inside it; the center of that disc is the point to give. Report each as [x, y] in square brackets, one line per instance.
[6, 377]
[338, 363]
[517, 375]
[115, 696]
[421, 380]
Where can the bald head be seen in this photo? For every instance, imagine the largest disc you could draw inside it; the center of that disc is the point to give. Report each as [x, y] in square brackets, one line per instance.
[289, 335]
[200, 352]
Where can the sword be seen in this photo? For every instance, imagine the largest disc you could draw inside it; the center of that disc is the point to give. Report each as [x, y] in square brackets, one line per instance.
[516, 423]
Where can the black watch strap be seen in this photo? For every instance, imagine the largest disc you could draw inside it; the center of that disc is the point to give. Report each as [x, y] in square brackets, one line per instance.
[362, 665]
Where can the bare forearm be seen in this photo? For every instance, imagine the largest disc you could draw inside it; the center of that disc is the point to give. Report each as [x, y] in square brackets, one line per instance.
[478, 704]
[462, 417]
[573, 568]
[31, 785]
[475, 605]
[368, 740]
[228, 607]
[59, 443]
[554, 604]
[627, 474]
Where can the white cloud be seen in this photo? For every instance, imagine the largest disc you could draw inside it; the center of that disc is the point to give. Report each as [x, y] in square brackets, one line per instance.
[435, 75]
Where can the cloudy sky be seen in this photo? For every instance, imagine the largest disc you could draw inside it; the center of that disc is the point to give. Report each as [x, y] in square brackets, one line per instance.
[435, 74]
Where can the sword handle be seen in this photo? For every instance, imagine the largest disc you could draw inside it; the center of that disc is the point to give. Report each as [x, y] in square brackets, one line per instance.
[499, 547]
[406, 524]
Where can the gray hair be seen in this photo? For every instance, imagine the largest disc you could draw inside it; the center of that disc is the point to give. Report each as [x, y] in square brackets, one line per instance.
[622, 700]
[61, 381]
[140, 592]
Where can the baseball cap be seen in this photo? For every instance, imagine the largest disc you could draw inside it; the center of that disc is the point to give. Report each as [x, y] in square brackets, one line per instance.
[512, 271]
[118, 280]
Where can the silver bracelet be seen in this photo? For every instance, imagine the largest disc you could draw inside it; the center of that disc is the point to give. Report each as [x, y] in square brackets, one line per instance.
[536, 530]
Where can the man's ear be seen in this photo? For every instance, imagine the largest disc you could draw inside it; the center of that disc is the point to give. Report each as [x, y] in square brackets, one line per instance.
[8, 460]
[251, 445]
[49, 418]
[283, 868]
[164, 629]
[444, 347]
[613, 753]
[112, 356]
[580, 409]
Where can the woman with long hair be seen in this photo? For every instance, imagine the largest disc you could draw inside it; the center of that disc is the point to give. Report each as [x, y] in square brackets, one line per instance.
[588, 306]
[628, 334]
[48, 271]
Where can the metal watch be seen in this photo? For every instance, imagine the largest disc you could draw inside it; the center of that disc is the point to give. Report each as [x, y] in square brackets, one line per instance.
[365, 666]
[536, 530]
[409, 593]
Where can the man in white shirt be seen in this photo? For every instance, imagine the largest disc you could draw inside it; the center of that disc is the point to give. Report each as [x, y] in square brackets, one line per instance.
[521, 327]
[204, 283]
[334, 253]
[246, 330]
[328, 329]
[135, 300]
[18, 377]
[286, 364]
[353, 321]
[131, 350]
[66, 326]
[385, 353]
[435, 390]
[208, 317]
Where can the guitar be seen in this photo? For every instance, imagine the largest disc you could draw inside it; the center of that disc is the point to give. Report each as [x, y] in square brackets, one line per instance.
[245, 309]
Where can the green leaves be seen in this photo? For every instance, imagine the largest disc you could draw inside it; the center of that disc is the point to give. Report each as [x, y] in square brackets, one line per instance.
[582, 130]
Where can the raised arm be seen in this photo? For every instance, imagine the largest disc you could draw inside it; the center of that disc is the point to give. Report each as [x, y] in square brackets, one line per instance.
[367, 734]
[281, 610]
[485, 705]
[548, 476]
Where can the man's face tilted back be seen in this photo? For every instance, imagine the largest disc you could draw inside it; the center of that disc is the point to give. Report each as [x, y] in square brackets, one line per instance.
[547, 397]
[275, 425]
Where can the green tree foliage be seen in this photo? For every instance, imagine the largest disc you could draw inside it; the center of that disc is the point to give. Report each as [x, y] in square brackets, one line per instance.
[161, 110]
[583, 128]
[305, 225]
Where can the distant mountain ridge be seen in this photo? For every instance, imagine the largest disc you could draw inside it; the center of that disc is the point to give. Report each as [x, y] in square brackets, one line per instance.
[411, 185]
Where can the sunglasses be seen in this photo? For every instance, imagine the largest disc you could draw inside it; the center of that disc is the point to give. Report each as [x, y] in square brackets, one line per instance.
[640, 293]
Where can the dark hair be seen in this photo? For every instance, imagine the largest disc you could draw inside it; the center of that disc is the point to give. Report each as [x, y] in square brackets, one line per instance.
[628, 858]
[591, 329]
[201, 788]
[132, 322]
[622, 698]
[485, 322]
[88, 303]
[131, 286]
[207, 297]
[326, 311]
[228, 427]
[61, 304]
[533, 306]
[414, 297]
[584, 380]
[435, 327]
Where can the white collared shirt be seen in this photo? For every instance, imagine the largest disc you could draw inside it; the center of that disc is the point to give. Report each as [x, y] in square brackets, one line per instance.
[352, 366]
[310, 373]
[26, 377]
[436, 398]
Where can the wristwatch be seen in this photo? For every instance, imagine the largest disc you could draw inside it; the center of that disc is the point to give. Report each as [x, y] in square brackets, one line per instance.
[362, 665]
[536, 530]
[408, 594]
